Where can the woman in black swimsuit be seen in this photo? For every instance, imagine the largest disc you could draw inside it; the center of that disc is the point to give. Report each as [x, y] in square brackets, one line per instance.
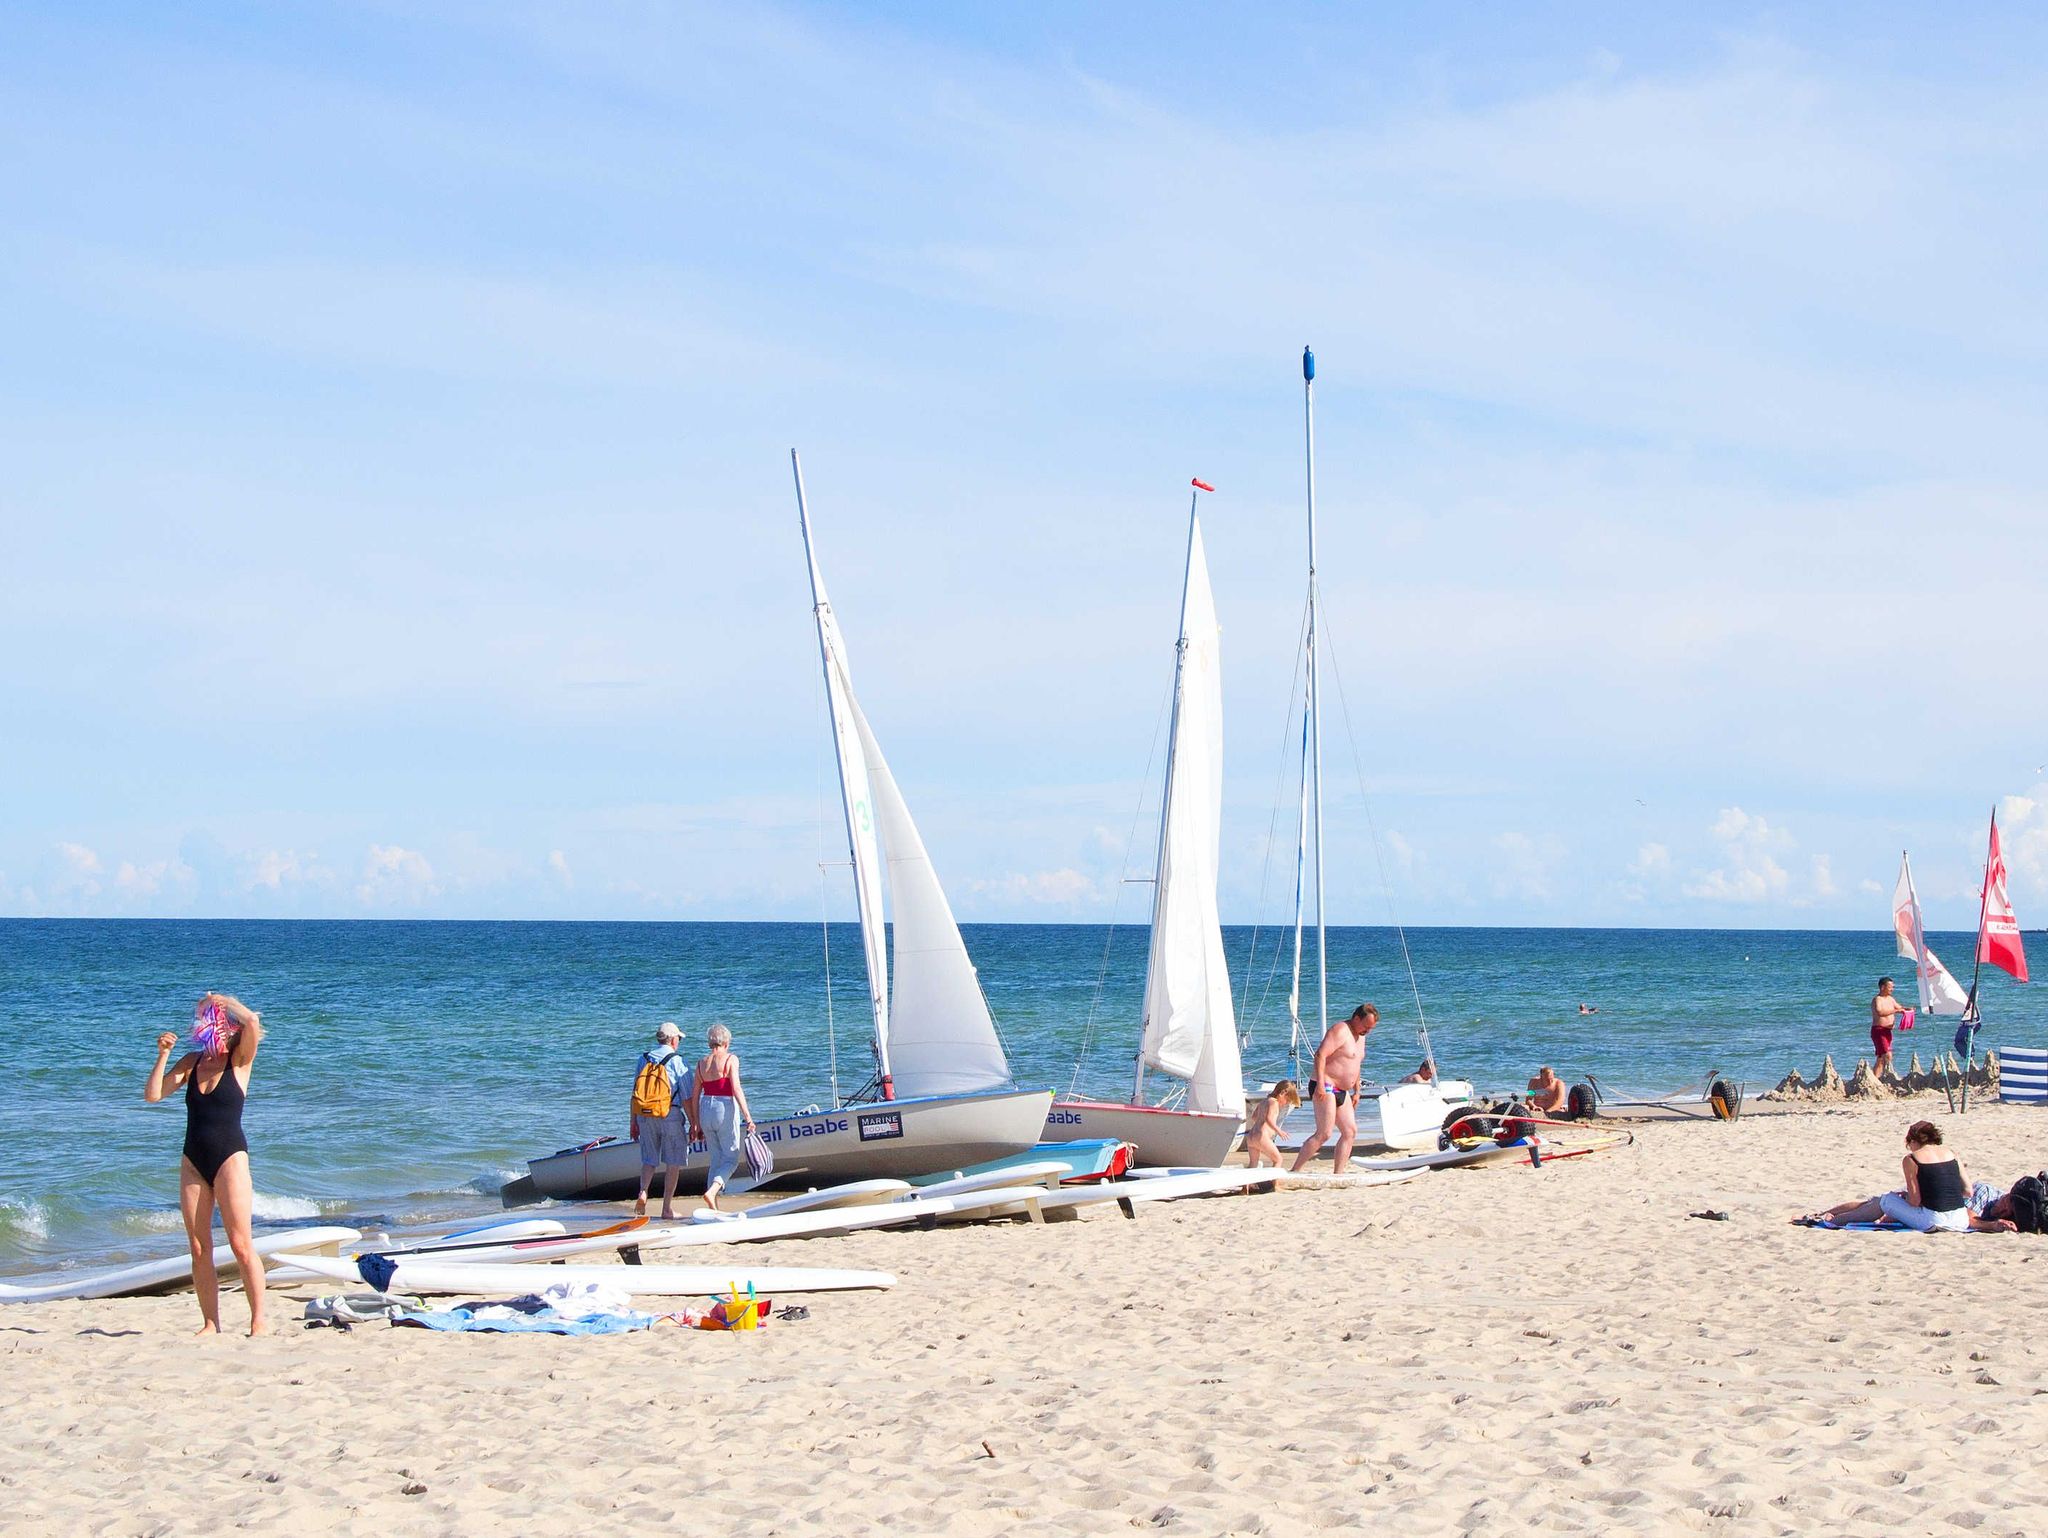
[215, 1167]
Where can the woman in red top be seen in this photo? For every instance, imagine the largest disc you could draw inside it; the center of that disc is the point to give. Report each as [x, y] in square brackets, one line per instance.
[719, 1107]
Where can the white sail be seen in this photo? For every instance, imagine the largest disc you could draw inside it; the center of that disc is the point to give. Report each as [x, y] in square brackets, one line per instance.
[1940, 994]
[941, 1040]
[1190, 1029]
[854, 788]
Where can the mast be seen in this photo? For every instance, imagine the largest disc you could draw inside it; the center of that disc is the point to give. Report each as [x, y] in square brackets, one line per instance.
[853, 796]
[1180, 660]
[1315, 714]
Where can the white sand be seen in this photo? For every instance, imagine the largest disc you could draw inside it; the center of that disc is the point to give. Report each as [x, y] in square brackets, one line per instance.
[1493, 1351]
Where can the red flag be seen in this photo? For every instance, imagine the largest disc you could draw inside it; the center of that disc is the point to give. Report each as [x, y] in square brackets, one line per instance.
[1998, 934]
[1201, 485]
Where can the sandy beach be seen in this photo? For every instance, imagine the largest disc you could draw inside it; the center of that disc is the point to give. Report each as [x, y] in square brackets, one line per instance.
[1561, 1350]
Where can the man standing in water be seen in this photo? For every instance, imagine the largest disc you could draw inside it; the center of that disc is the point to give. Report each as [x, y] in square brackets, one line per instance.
[1340, 1062]
[1884, 1017]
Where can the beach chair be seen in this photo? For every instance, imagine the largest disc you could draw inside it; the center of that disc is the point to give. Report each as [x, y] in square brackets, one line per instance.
[2023, 1075]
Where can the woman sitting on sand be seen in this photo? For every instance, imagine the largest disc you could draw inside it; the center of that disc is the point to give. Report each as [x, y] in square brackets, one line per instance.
[1262, 1126]
[1936, 1197]
[215, 1167]
[719, 1107]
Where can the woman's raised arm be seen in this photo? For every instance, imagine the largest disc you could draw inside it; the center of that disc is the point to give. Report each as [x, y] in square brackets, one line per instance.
[161, 1082]
[248, 1031]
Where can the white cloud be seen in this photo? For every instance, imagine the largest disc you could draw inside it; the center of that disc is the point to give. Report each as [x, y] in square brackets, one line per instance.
[142, 882]
[275, 870]
[1749, 872]
[1523, 865]
[558, 866]
[2023, 830]
[394, 877]
[1065, 887]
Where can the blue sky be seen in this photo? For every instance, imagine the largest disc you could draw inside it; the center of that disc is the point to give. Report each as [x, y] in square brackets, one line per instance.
[395, 404]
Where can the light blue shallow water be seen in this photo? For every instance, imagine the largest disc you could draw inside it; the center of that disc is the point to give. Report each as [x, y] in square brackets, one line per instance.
[410, 1067]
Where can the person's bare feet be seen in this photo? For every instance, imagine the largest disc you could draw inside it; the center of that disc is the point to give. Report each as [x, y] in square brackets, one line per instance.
[640, 1207]
[258, 1327]
[208, 1328]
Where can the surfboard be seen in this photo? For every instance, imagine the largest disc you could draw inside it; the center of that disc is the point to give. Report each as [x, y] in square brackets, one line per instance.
[424, 1275]
[378, 1242]
[1048, 1172]
[1351, 1179]
[159, 1275]
[964, 1206]
[855, 1193]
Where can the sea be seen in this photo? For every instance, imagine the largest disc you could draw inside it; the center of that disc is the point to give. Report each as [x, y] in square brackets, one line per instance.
[408, 1069]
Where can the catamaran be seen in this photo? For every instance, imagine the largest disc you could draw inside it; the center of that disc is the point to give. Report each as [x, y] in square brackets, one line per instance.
[1400, 1116]
[1188, 1030]
[941, 1097]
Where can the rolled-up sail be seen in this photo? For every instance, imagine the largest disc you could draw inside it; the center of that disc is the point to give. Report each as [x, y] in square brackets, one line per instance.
[1190, 1027]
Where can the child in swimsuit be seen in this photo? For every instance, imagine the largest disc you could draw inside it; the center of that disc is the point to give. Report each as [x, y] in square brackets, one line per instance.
[1262, 1126]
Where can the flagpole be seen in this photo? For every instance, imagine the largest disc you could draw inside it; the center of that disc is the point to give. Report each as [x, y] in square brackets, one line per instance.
[1970, 1016]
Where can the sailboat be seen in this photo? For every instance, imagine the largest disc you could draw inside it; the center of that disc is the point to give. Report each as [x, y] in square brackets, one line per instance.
[941, 1097]
[1188, 1030]
[1398, 1116]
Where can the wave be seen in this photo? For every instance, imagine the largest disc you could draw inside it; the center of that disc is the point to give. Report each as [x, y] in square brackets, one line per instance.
[23, 1219]
[265, 1208]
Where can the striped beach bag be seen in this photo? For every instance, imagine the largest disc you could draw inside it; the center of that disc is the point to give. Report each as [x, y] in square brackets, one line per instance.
[2023, 1075]
[760, 1162]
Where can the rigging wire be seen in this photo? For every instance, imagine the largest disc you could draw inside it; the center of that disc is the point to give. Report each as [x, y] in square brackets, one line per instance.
[1123, 877]
[1379, 857]
[825, 919]
[1244, 1012]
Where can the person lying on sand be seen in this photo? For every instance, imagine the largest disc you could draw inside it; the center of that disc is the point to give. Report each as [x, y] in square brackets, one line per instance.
[1935, 1198]
[1262, 1126]
[1548, 1094]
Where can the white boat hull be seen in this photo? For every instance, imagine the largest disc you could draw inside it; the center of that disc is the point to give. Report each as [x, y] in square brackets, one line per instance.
[1407, 1117]
[897, 1140]
[1164, 1137]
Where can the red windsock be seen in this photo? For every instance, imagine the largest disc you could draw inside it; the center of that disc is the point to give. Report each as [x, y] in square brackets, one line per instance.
[1201, 485]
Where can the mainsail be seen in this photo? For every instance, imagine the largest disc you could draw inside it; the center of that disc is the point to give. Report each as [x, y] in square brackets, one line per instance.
[941, 1038]
[933, 1033]
[1190, 1028]
[1940, 994]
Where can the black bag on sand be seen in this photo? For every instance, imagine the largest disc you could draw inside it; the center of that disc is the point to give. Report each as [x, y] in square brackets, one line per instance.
[2030, 1203]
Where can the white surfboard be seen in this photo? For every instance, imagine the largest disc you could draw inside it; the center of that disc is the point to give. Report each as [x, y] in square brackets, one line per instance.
[961, 1207]
[158, 1275]
[855, 1193]
[1227, 1177]
[428, 1276]
[1351, 1179]
[1046, 1172]
[516, 1231]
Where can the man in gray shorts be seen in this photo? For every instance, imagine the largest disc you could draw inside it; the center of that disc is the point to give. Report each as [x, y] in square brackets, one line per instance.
[664, 1140]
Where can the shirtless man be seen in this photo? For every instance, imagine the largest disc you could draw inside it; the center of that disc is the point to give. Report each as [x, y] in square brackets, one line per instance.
[1340, 1060]
[1884, 1016]
[1548, 1094]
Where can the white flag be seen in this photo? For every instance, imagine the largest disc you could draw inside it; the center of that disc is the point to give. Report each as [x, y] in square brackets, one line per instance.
[1939, 993]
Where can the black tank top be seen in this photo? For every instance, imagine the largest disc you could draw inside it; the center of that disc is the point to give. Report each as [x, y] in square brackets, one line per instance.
[1941, 1186]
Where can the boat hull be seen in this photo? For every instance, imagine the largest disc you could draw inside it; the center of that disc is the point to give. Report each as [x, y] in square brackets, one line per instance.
[1407, 1117]
[1181, 1139]
[893, 1140]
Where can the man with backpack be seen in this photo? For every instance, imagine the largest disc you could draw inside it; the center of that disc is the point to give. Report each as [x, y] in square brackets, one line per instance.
[661, 1098]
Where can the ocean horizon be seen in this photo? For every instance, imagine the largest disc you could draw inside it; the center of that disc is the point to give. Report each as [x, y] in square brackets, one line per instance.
[410, 1067]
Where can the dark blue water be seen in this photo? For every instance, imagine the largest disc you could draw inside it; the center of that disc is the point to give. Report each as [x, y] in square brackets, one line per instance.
[409, 1067]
